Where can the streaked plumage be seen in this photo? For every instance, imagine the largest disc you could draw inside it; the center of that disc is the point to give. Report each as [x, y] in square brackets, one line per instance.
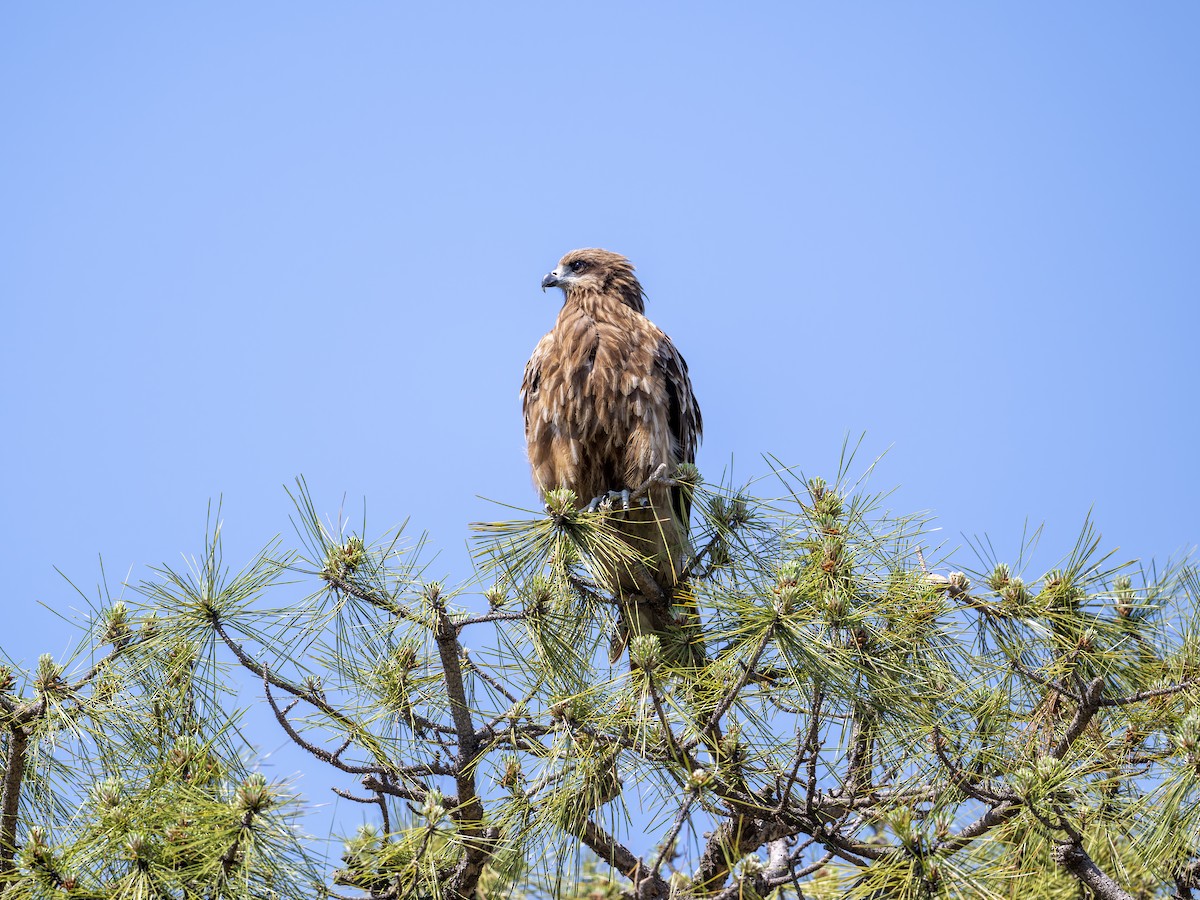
[607, 399]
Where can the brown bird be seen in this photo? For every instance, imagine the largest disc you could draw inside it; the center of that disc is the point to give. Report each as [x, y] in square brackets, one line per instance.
[608, 403]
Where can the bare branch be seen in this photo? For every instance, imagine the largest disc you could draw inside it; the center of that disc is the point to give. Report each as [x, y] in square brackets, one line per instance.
[963, 781]
[658, 476]
[647, 883]
[346, 795]
[810, 749]
[492, 682]
[794, 875]
[1150, 695]
[416, 795]
[729, 842]
[492, 617]
[262, 672]
[1072, 857]
[1055, 686]
[668, 842]
[14, 773]
[321, 754]
[468, 814]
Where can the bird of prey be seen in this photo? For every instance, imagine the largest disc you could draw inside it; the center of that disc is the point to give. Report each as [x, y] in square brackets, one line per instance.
[608, 403]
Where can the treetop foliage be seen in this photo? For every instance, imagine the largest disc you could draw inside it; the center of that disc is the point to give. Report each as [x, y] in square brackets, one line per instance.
[845, 714]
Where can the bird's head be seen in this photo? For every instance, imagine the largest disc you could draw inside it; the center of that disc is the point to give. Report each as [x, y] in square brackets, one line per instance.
[592, 270]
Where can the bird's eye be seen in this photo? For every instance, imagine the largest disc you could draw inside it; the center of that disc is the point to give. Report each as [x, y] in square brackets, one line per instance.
[578, 266]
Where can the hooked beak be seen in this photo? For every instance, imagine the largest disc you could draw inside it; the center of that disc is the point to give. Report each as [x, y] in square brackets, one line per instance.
[550, 280]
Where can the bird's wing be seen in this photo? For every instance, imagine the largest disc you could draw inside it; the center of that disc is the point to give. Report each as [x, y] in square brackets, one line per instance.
[531, 383]
[683, 414]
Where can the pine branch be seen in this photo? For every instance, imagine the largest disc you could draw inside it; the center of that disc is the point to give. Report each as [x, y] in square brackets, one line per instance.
[388, 605]
[229, 857]
[680, 755]
[1089, 704]
[711, 729]
[997, 814]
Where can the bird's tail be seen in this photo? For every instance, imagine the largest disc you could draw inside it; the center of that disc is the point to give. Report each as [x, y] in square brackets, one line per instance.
[654, 590]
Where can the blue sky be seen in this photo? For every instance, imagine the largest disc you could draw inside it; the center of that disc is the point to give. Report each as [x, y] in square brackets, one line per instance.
[244, 242]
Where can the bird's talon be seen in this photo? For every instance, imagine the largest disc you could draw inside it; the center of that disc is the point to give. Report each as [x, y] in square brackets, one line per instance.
[610, 500]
